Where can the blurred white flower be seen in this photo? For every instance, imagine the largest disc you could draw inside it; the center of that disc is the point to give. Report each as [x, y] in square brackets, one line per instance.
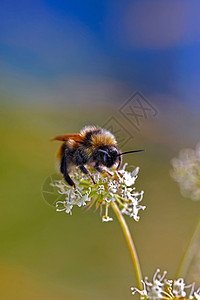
[186, 171]
[163, 288]
[118, 187]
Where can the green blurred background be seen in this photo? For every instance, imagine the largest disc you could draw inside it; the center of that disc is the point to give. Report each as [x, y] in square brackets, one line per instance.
[65, 65]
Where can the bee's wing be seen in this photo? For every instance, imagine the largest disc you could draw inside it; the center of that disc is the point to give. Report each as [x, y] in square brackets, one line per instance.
[75, 137]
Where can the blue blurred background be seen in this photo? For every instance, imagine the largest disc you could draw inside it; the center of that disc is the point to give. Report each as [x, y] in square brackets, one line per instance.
[94, 51]
[66, 64]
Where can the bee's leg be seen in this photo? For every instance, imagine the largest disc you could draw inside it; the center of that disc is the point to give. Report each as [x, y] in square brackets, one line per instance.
[120, 162]
[80, 161]
[85, 171]
[106, 171]
[63, 166]
[69, 180]
[99, 169]
[64, 171]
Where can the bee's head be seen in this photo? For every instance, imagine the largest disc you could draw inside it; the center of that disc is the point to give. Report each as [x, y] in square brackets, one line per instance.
[108, 156]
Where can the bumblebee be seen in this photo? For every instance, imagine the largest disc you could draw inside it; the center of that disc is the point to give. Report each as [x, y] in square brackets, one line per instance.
[93, 146]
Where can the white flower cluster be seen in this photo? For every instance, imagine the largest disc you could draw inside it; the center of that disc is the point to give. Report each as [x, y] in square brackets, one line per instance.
[186, 171]
[163, 288]
[118, 187]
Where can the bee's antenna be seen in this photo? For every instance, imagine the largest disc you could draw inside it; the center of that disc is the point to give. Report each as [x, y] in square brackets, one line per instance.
[130, 152]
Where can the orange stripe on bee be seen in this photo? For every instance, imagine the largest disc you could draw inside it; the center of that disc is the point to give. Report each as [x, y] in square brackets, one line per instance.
[100, 139]
[60, 151]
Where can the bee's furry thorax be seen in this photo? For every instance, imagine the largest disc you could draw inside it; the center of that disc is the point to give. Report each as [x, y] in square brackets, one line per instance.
[98, 136]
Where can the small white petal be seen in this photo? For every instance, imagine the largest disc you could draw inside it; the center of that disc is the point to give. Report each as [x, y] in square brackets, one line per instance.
[106, 219]
[135, 172]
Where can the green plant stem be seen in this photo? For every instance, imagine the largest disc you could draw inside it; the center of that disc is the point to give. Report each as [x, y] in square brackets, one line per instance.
[189, 252]
[134, 257]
